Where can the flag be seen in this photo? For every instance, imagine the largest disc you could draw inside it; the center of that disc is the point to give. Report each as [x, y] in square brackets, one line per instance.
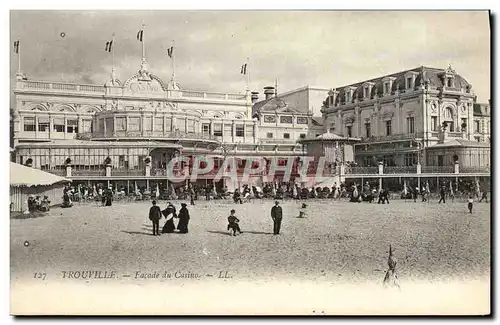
[170, 51]
[16, 47]
[139, 35]
[109, 45]
[244, 69]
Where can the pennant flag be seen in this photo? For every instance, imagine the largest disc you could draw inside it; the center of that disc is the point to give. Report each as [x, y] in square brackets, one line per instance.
[170, 51]
[244, 69]
[109, 45]
[16, 47]
[139, 35]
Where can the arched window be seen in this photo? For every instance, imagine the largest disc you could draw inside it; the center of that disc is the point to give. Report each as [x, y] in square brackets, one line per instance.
[449, 112]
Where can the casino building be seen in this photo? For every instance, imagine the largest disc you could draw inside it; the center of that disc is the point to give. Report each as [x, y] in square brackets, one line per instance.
[129, 130]
[126, 132]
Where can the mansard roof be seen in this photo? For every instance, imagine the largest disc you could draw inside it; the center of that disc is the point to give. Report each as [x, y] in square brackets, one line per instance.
[425, 75]
[275, 105]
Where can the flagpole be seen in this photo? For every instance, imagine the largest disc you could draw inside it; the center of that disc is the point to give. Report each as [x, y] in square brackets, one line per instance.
[143, 46]
[248, 75]
[113, 58]
[173, 59]
[18, 56]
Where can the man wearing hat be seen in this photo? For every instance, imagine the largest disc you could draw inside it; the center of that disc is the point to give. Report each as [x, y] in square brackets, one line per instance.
[183, 219]
[155, 216]
[276, 215]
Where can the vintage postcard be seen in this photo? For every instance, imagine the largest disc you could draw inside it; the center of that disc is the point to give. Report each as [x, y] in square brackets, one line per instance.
[250, 162]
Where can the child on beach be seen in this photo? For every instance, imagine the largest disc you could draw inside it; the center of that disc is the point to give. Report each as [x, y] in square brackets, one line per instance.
[471, 201]
[233, 223]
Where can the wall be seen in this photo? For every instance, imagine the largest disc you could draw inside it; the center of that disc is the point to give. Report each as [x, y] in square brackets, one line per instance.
[19, 195]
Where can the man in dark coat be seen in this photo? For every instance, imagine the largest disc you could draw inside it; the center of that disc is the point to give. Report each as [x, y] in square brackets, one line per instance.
[155, 216]
[277, 216]
[383, 196]
[183, 219]
[442, 195]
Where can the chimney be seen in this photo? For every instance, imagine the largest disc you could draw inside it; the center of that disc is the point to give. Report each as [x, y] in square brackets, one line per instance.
[255, 96]
[269, 92]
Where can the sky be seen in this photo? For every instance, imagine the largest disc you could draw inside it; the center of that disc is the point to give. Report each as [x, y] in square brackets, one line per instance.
[325, 49]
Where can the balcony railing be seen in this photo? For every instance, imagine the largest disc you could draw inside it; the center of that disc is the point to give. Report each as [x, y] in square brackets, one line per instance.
[70, 87]
[58, 172]
[128, 172]
[400, 170]
[146, 134]
[485, 169]
[88, 172]
[361, 170]
[393, 137]
[438, 169]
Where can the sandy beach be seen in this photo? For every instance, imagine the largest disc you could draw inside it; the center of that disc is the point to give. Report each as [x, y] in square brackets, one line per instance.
[339, 244]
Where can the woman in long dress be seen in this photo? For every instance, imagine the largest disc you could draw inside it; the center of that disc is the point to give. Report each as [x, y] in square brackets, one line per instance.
[183, 216]
[169, 214]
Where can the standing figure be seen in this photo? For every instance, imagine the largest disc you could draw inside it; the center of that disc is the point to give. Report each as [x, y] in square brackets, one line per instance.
[484, 196]
[109, 197]
[183, 219]
[170, 214]
[191, 194]
[303, 212]
[383, 196]
[442, 195]
[233, 223]
[277, 216]
[471, 203]
[415, 194]
[45, 205]
[155, 216]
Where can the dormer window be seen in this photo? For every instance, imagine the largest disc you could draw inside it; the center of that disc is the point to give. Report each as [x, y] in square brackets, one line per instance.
[449, 82]
[366, 92]
[409, 83]
[347, 97]
[386, 88]
[410, 77]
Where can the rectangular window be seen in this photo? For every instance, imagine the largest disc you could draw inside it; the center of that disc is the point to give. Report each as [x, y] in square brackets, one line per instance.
[228, 130]
[349, 131]
[218, 129]
[43, 124]
[205, 128]
[286, 135]
[59, 124]
[449, 83]
[434, 123]
[366, 92]
[159, 124]
[29, 124]
[388, 127]
[249, 131]
[240, 130]
[72, 126]
[121, 161]
[368, 130]
[410, 121]
[302, 136]
[286, 119]
[410, 159]
[120, 123]
[87, 125]
[134, 124]
[464, 121]
[302, 120]
[347, 97]
[386, 88]
[190, 126]
[409, 82]
[148, 123]
[476, 126]
[269, 135]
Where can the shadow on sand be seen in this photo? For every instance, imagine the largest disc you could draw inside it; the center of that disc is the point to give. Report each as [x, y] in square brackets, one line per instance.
[137, 233]
[227, 233]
